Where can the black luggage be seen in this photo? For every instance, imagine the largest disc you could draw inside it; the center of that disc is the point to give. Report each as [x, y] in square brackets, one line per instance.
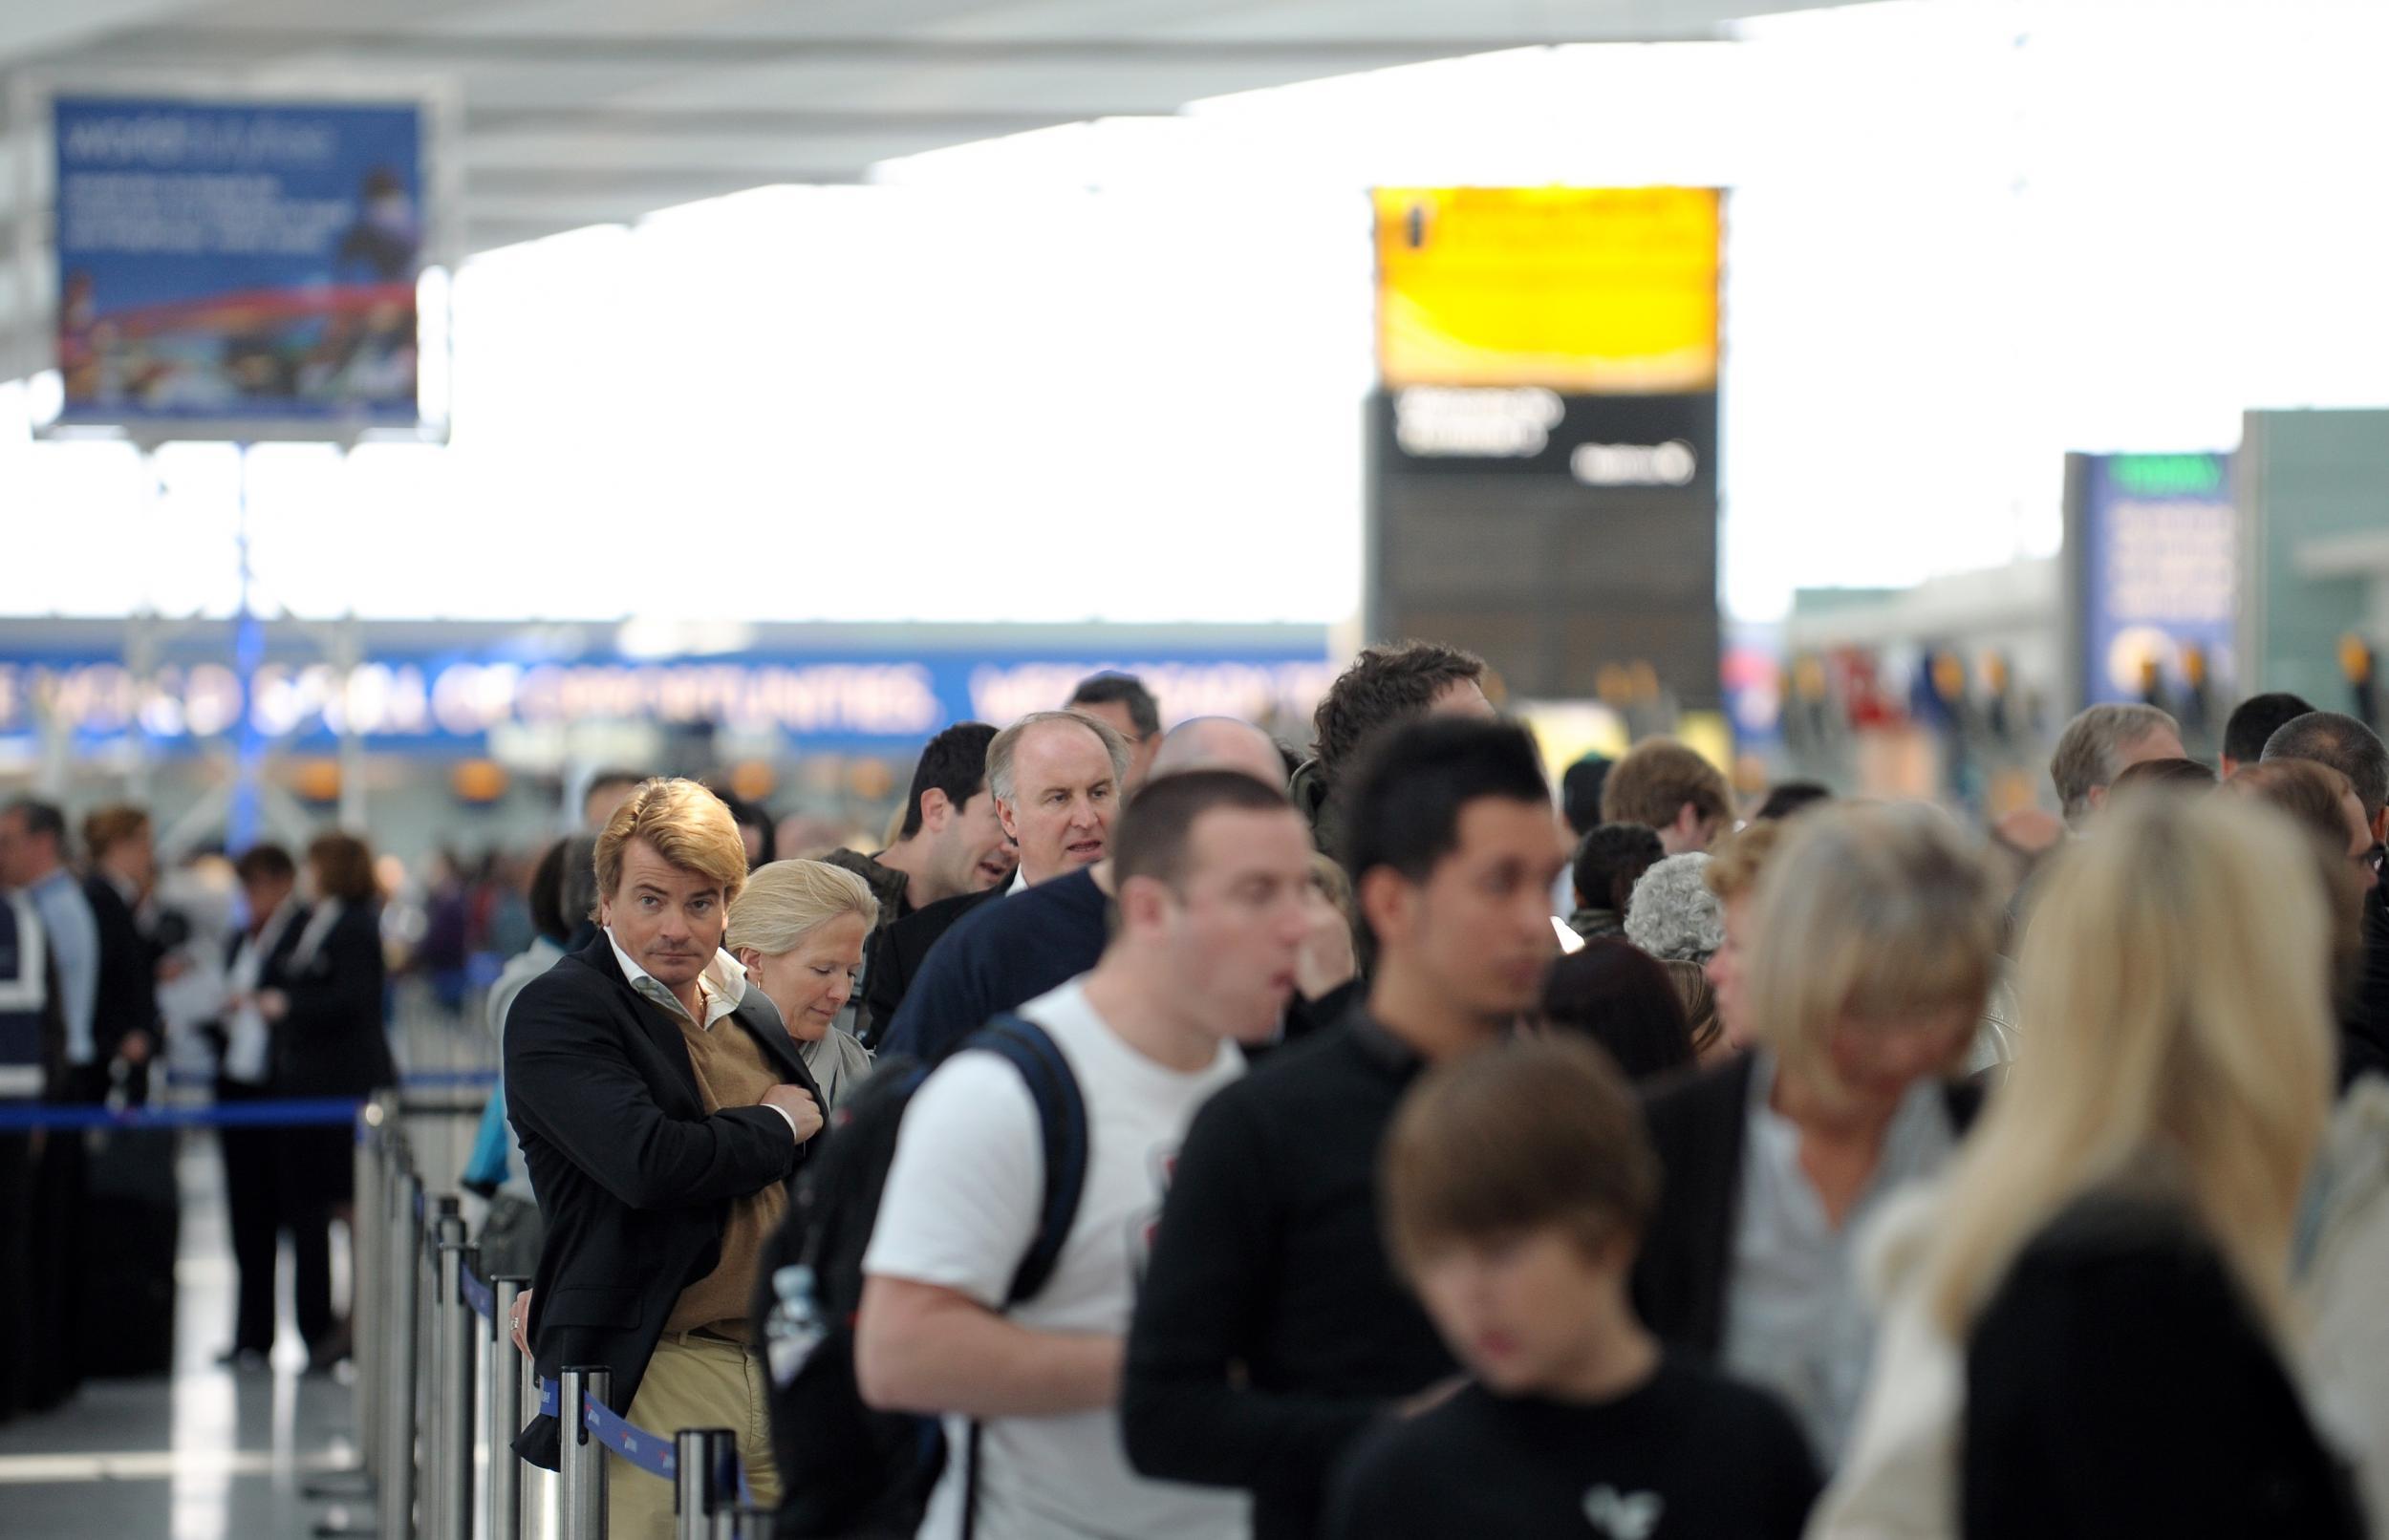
[130, 1226]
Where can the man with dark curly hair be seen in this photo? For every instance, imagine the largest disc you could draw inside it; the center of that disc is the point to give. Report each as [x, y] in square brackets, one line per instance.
[1384, 685]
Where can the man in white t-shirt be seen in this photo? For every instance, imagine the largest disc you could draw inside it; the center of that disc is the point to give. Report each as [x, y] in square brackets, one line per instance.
[1211, 873]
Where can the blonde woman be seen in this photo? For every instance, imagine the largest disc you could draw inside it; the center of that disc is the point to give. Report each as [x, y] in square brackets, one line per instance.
[798, 928]
[2088, 1340]
[1860, 986]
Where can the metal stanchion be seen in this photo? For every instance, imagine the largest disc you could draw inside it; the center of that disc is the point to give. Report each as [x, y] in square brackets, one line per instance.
[455, 1348]
[397, 1488]
[374, 1126]
[503, 1398]
[581, 1464]
[355, 1483]
[444, 1225]
[708, 1480]
[743, 1521]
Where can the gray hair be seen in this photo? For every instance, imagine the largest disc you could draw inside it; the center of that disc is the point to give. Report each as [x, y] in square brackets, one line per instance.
[2090, 752]
[1672, 914]
[1007, 744]
[2345, 744]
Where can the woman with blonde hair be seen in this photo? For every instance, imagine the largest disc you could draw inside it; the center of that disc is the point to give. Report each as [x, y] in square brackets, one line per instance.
[2103, 1286]
[1863, 983]
[798, 928]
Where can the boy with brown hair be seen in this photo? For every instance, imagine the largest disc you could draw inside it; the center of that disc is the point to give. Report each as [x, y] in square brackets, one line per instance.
[1665, 785]
[1517, 1184]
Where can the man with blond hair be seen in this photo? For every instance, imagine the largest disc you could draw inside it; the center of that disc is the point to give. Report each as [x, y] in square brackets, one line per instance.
[661, 1107]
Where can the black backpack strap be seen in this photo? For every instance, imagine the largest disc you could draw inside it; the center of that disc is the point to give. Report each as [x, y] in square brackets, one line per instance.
[1062, 1123]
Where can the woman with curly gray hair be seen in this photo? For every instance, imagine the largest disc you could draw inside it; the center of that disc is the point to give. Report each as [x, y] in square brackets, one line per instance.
[1672, 914]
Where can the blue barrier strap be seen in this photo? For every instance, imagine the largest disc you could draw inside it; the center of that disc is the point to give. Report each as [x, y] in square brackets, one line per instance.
[428, 1079]
[294, 1112]
[655, 1456]
[478, 1296]
[433, 1079]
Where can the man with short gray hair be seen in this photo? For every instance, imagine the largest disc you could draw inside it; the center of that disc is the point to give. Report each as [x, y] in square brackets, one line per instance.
[1056, 778]
[2100, 744]
[1055, 931]
[2345, 744]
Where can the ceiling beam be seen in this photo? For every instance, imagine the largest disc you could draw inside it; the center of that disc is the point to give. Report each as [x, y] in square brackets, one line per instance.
[250, 46]
[655, 190]
[964, 124]
[774, 159]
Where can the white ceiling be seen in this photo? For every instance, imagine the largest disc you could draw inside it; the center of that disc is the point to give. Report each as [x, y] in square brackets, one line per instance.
[582, 112]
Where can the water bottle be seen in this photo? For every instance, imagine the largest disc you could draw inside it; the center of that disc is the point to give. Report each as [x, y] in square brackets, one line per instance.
[795, 1327]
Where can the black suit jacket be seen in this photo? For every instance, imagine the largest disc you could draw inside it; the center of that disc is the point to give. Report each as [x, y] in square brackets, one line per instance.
[897, 950]
[333, 1041]
[633, 1178]
[1698, 1128]
[272, 970]
[126, 1000]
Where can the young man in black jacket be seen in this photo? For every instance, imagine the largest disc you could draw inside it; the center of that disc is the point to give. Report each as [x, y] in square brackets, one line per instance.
[661, 1107]
[1271, 1329]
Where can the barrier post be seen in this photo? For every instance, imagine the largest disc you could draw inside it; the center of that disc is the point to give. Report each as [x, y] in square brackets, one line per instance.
[743, 1521]
[454, 1352]
[581, 1461]
[707, 1482]
[366, 1283]
[397, 1488]
[503, 1398]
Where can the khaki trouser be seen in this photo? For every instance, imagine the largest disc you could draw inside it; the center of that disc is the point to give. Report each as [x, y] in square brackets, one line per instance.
[694, 1380]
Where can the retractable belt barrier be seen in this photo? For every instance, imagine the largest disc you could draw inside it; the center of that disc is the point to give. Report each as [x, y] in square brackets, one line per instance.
[441, 1387]
[421, 1079]
[283, 1112]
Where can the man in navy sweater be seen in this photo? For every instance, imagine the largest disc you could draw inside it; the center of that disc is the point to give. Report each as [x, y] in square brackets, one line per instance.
[1043, 936]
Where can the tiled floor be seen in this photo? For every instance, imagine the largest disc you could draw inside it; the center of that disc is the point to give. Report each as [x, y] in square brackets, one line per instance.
[209, 1454]
[206, 1455]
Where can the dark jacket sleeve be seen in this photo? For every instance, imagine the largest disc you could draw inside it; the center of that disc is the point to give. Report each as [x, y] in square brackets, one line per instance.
[1183, 1412]
[569, 1079]
[946, 1003]
[884, 984]
[343, 985]
[1681, 1272]
[2118, 1385]
[125, 998]
[2365, 1044]
[333, 1041]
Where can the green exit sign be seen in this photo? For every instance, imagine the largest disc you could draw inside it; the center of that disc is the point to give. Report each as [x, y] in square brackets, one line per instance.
[2163, 475]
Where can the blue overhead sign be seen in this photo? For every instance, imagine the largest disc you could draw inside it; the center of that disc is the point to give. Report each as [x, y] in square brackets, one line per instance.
[238, 264]
[832, 702]
[2158, 572]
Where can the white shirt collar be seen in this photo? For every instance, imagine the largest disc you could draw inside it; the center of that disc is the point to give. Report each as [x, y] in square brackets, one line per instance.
[1020, 880]
[723, 984]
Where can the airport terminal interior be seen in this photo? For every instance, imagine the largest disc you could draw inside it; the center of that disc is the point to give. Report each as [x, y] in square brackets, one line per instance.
[607, 599]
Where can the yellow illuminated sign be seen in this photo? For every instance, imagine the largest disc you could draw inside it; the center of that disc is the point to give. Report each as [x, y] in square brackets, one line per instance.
[1594, 290]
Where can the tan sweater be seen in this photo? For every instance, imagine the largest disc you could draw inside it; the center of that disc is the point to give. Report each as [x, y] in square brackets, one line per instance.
[731, 1071]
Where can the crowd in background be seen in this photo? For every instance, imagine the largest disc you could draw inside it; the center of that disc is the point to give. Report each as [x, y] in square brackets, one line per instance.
[1165, 1132]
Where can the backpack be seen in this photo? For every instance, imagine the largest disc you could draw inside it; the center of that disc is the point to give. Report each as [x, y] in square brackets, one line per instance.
[845, 1469]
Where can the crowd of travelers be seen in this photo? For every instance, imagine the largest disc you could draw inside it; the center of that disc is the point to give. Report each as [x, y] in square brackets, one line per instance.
[1166, 1135]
